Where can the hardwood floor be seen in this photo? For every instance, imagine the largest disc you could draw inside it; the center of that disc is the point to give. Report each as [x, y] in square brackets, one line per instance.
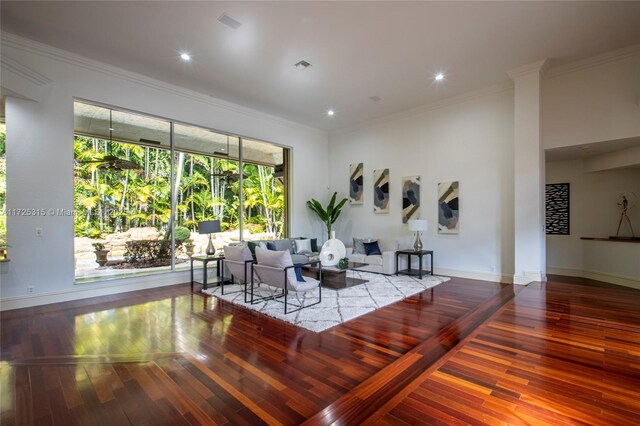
[564, 352]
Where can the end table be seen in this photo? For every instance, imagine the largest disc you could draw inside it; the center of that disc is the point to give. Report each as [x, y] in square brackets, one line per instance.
[419, 254]
[205, 259]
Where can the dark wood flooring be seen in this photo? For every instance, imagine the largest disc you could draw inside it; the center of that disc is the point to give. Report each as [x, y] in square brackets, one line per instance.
[565, 352]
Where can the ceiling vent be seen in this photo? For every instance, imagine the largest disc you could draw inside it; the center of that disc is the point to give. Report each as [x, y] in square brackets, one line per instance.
[229, 21]
[302, 65]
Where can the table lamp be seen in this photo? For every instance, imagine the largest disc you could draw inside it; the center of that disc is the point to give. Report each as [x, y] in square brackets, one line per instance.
[209, 227]
[417, 226]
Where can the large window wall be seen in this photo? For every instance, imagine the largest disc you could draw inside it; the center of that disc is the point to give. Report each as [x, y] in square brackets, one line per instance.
[134, 174]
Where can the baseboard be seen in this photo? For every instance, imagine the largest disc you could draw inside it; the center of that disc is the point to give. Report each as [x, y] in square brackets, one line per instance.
[474, 275]
[528, 277]
[622, 280]
[84, 291]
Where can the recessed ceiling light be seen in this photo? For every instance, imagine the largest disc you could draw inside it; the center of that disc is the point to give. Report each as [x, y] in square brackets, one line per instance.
[185, 56]
[330, 113]
[439, 77]
[229, 21]
[302, 65]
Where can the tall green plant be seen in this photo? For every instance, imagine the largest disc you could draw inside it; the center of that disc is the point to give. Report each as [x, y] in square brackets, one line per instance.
[330, 214]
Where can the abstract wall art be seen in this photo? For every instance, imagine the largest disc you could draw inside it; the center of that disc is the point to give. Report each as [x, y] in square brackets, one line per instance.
[448, 208]
[410, 198]
[557, 206]
[381, 191]
[356, 177]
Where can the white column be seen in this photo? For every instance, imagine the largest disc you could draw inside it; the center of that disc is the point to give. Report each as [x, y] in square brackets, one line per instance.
[529, 176]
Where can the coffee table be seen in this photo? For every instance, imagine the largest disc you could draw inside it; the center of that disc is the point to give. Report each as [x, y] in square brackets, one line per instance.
[336, 278]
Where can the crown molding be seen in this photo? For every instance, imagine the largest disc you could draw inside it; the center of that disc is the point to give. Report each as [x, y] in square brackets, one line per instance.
[10, 65]
[534, 67]
[40, 49]
[503, 86]
[605, 58]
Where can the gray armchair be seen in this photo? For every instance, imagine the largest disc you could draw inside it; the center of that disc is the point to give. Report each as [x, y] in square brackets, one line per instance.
[276, 269]
[238, 260]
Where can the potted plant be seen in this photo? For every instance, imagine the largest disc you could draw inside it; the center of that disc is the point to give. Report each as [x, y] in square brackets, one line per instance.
[330, 214]
[188, 246]
[343, 263]
[101, 253]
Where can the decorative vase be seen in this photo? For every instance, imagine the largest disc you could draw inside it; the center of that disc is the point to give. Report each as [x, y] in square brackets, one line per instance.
[332, 251]
[101, 257]
[333, 235]
[189, 249]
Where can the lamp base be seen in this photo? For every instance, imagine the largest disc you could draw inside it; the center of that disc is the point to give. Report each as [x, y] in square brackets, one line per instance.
[417, 246]
[211, 250]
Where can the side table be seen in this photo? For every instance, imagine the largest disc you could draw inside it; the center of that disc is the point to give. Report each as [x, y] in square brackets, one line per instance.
[420, 254]
[205, 259]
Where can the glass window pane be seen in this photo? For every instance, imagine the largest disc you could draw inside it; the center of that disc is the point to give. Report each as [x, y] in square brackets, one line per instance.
[206, 168]
[264, 194]
[122, 194]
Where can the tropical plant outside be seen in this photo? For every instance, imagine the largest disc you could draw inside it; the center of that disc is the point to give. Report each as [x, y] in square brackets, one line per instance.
[108, 201]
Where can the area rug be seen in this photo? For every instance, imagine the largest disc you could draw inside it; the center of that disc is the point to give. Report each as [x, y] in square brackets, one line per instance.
[337, 306]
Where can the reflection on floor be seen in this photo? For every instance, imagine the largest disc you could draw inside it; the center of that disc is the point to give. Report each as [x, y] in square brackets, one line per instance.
[479, 352]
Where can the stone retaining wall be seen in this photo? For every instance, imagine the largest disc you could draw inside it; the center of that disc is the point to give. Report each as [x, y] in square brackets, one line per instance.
[83, 249]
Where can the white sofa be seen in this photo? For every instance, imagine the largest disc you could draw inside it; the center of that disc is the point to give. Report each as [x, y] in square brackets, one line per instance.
[381, 264]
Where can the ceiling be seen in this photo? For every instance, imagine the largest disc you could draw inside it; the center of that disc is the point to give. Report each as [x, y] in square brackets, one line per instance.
[358, 50]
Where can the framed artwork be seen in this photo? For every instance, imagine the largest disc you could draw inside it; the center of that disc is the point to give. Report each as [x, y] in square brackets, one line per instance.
[557, 208]
[356, 177]
[448, 207]
[410, 198]
[381, 191]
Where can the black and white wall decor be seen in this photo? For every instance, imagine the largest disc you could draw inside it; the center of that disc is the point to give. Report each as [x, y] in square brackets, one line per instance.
[356, 176]
[448, 207]
[557, 206]
[410, 198]
[381, 191]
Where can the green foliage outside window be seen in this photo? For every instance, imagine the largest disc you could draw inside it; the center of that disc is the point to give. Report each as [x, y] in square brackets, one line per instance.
[108, 201]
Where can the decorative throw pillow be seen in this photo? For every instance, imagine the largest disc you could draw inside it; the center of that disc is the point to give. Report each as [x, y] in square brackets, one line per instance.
[252, 247]
[271, 246]
[303, 246]
[314, 245]
[358, 245]
[371, 248]
[283, 245]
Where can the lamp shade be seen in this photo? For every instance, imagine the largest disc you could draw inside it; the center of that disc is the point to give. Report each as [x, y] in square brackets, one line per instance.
[418, 225]
[209, 227]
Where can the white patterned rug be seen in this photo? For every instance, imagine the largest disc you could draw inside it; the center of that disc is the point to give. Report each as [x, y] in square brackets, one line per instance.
[337, 306]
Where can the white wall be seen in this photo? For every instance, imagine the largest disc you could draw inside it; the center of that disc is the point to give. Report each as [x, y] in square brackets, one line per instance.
[593, 213]
[469, 140]
[40, 160]
[592, 101]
